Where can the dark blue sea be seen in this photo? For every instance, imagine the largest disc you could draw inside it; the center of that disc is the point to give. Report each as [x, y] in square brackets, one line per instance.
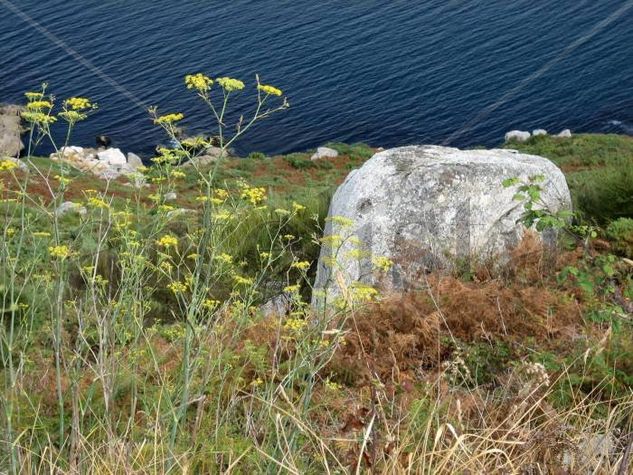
[389, 73]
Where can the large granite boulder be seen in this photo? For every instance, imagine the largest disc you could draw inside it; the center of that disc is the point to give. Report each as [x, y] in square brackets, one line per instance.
[10, 143]
[427, 207]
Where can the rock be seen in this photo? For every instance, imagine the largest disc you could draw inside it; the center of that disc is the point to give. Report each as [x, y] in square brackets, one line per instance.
[591, 453]
[428, 207]
[10, 143]
[324, 152]
[565, 134]
[70, 207]
[134, 161]
[171, 196]
[538, 132]
[277, 306]
[210, 155]
[517, 135]
[112, 156]
[180, 212]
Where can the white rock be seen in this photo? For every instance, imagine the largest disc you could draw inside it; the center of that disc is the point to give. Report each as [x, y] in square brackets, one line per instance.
[565, 134]
[537, 132]
[70, 207]
[324, 152]
[429, 207]
[112, 156]
[134, 161]
[10, 142]
[171, 196]
[517, 135]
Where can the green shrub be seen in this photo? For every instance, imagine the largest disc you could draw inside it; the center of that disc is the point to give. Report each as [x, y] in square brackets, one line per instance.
[620, 232]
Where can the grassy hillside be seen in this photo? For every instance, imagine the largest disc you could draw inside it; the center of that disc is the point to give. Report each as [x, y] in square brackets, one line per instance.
[133, 338]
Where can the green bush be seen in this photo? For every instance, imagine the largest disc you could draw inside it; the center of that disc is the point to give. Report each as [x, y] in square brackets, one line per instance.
[620, 232]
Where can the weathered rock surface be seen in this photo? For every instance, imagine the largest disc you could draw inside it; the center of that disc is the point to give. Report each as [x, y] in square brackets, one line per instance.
[565, 134]
[537, 132]
[324, 152]
[107, 164]
[427, 207]
[517, 135]
[10, 143]
[70, 207]
[112, 156]
[134, 161]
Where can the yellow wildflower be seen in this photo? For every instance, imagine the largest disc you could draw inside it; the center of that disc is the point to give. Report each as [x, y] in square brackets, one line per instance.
[297, 207]
[301, 265]
[62, 180]
[291, 289]
[221, 193]
[169, 118]
[34, 96]
[72, 116]
[239, 280]
[177, 174]
[177, 287]
[168, 241]
[6, 165]
[199, 82]
[230, 84]
[78, 103]
[61, 252]
[254, 195]
[39, 105]
[210, 304]
[341, 221]
[222, 216]
[39, 118]
[382, 263]
[294, 324]
[41, 234]
[267, 89]
[94, 202]
[224, 258]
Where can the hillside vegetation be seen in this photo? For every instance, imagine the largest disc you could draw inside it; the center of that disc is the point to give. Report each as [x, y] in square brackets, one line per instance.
[133, 337]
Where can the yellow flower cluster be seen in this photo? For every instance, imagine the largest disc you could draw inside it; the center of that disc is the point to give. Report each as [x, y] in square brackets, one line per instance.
[291, 289]
[266, 89]
[364, 292]
[169, 118]
[210, 304]
[60, 252]
[224, 258]
[78, 103]
[176, 174]
[95, 202]
[230, 84]
[295, 324]
[177, 287]
[296, 207]
[72, 116]
[199, 82]
[39, 105]
[39, 118]
[6, 165]
[254, 195]
[167, 241]
[301, 265]
[33, 96]
[239, 280]
[382, 263]
[41, 234]
[341, 221]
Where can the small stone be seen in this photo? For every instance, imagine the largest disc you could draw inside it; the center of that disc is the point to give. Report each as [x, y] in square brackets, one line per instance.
[538, 132]
[134, 161]
[518, 136]
[324, 152]
[171, 196]
[565, 134]
[112, 156]
[70, 207]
